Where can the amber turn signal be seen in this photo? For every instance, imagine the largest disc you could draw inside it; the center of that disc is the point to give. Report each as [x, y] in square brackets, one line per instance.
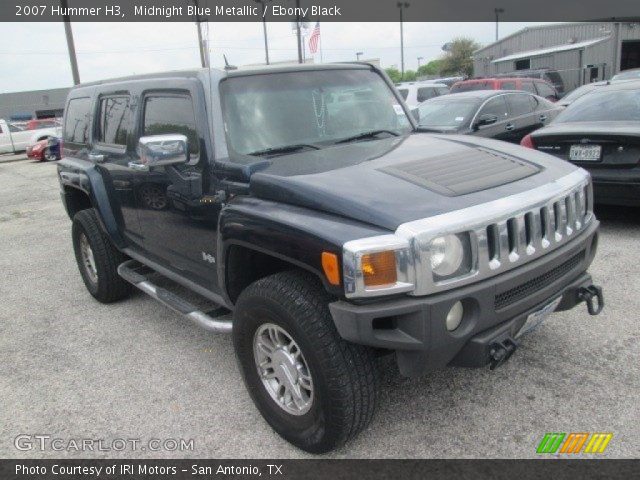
[330, 267]
[379, 268]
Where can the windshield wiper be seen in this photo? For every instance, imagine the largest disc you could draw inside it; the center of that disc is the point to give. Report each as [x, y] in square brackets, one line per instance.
[370, 134]
[284, 149]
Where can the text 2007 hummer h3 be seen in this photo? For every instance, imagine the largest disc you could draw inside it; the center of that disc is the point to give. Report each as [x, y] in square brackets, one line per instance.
[323, 228]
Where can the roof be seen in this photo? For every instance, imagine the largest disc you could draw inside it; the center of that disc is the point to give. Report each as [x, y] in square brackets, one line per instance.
[545, 51]
[476, 94]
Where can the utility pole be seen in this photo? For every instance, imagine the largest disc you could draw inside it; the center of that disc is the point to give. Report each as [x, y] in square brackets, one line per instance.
[402, 6]
[358, 56]
[202, 41]
[264, 27]
[419, 60]
[70, 45]
[298, 32]
[497, 11]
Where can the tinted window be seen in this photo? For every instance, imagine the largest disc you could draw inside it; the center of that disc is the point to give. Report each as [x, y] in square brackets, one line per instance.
[113, 120]
[496, 106]
[442, 90]
[545, 90]
[508, 86]
[520, 104]
[453, 113]
[425, 93]
[171, 114]
[76, 123]
[527, 86]
[404, 92]
[622, 105]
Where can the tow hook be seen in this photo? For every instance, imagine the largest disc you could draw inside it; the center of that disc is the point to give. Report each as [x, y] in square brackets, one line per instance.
[587, 294]
[501, 351]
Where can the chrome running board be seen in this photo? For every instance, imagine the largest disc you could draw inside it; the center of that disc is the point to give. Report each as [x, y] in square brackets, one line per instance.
[136, 274]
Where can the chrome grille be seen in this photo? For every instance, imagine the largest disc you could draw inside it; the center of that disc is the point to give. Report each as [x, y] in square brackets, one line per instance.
[504, 233]
[528, 233]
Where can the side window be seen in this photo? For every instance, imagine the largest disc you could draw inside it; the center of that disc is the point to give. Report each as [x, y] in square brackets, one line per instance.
[404, 93]
[520, 104]
[508, 86]
[113, 120]
[77, 119]
[425, 93]
[171, 114]
[527, 86]
[496, 106]
[442, 90]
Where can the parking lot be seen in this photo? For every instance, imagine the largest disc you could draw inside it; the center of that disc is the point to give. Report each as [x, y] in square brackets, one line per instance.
[73, 368]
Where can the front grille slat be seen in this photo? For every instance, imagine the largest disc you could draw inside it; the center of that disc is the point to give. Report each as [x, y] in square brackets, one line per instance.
[530, 287]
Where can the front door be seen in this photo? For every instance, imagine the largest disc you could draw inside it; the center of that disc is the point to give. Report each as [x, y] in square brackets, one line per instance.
[178, 218]
[502, 128]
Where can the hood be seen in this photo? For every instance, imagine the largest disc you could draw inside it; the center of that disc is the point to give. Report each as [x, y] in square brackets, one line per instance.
[391, 181]
[589, 128]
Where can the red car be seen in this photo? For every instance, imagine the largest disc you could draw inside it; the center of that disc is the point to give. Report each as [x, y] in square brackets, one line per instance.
[37, 124]
[536, 86]
[41, 151]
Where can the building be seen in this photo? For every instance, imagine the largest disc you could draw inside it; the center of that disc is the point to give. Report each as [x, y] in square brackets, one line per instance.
[34, 104]
[580, 52]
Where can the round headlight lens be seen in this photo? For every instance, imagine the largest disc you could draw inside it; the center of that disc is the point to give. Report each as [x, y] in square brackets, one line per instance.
[447, 254]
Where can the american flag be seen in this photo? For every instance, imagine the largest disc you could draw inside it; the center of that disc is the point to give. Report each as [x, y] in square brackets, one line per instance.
[314, 38]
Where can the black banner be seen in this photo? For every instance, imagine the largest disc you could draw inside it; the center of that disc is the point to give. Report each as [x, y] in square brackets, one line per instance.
[315, 10]
[317, 469]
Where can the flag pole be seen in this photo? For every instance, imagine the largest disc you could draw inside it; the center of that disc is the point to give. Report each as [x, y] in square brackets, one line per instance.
[321, 60]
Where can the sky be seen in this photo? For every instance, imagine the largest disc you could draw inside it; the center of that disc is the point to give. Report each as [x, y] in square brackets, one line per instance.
[37, 58]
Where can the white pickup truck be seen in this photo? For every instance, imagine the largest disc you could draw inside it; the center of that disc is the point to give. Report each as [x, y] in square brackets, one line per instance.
[17, 136]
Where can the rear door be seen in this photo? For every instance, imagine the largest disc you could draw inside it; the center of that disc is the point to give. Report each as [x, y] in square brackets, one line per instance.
[522, 115]
[500, 130]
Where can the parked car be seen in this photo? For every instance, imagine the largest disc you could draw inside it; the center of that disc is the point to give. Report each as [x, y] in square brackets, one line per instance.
[573, 95]
[547, 74]
[503, 115]
[600, 132]
[321, 236]
[15, 137]
[448, 81]
[37, 124]
[531, 85]
[415, 93]
[631, 74]
[47, 149]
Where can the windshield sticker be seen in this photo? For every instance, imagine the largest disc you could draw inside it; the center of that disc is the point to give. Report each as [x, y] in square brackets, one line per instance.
[399, 110]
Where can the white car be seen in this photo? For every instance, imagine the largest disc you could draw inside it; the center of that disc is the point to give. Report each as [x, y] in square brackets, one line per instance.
[417, 92]
[16, 137]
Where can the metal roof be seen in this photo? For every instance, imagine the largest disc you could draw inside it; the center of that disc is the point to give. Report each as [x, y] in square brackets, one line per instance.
[548, 50]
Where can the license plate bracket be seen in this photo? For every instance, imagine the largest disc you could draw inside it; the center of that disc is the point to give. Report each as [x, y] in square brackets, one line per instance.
[535, 319]
[585, 153]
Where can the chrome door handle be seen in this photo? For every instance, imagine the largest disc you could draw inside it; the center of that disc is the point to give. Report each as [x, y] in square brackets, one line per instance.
[96, 157]
[509, 127]
[543, 118]
[140, 167]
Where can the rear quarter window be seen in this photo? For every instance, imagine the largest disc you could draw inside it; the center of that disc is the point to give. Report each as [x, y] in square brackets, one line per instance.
[77, 121]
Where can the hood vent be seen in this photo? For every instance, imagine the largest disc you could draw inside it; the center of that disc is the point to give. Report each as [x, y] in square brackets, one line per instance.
[463, 172]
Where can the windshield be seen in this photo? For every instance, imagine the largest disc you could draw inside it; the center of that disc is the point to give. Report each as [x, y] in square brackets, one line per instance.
[628, 75]
[449, 113]
[314, 108]
[577, 93]
[610, 106]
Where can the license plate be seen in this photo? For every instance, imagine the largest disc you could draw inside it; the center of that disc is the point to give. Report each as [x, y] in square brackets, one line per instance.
[536, 318]
[585, 153]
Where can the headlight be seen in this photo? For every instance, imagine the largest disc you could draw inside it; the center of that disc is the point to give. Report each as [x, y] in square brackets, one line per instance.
[450, 256]
[375, 266]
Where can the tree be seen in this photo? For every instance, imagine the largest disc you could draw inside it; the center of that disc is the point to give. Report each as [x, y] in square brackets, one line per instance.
[409, 76]
[430, 69]
[394, 74]
[458, 58]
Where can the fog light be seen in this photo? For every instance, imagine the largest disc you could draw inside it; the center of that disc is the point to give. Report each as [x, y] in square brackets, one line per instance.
[454, 317]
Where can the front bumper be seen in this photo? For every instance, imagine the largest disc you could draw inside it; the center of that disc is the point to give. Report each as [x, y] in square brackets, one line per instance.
[414, 327]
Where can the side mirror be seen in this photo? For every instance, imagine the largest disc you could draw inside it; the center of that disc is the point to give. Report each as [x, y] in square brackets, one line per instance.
[486, 119]
[157, 150]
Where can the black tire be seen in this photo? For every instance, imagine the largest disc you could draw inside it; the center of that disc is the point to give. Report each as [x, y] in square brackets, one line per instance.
[344, 375]
[106, 286]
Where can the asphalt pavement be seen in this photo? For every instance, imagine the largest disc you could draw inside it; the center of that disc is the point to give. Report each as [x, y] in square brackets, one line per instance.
[73, 369]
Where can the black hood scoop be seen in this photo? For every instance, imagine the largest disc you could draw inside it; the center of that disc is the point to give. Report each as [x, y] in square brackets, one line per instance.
[459, 173]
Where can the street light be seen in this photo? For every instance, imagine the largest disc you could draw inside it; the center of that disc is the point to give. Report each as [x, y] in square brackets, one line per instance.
[402, 6]
[358, 55]
[419, 60]
[497, 11]
[264, 27]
